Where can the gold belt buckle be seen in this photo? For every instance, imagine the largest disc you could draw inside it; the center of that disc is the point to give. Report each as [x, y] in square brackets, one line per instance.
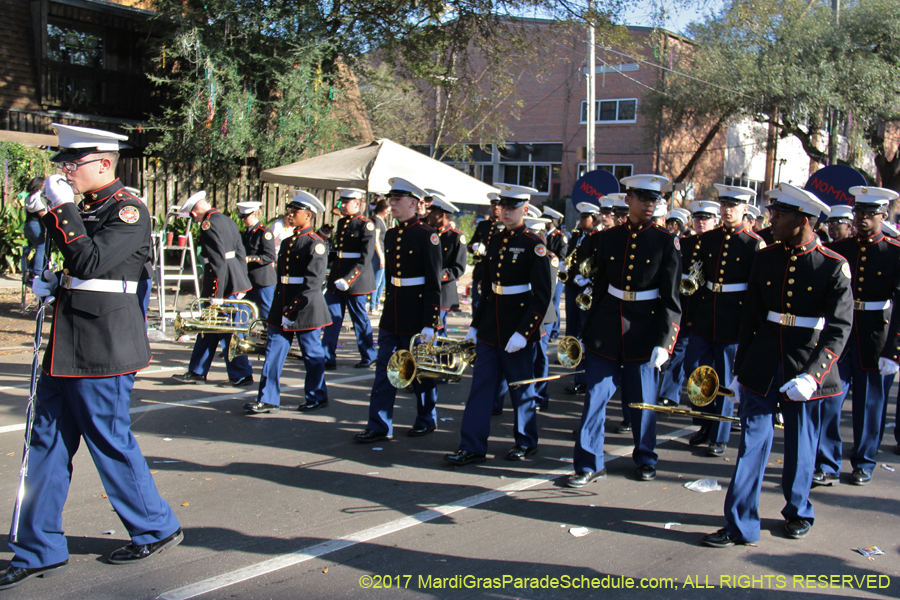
[858, 305]
[498, 289]
[717, 287]
[787, 319]
[629, 296]
[66, 281]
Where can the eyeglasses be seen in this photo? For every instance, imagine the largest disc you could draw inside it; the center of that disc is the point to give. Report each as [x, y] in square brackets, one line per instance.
[71, 167]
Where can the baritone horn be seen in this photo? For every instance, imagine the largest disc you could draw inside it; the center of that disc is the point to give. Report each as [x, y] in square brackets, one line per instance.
[447, 360]
[569, 351]
[235, 316]
[254, 342]
[693, 280]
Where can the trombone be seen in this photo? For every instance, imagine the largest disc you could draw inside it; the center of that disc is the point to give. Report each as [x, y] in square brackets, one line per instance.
[569, 351]
[447, 360]
[702, 388]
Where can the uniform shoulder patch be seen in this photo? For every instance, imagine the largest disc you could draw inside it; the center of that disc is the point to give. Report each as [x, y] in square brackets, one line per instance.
[205, 225]
[540, 250]
[268, 235]
[462, 238]
[677, 243]
[845, 269]
[762, 244]
[129, 214]
[370, 226]
[435, 239]
[554, 262]
[320, 248]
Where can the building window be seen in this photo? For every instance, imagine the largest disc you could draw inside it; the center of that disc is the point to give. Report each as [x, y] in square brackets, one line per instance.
[750, 183]
[72, 45]
[619, 171]
[612, 111]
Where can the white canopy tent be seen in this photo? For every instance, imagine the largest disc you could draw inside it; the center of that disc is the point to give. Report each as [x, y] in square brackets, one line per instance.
[369, 166]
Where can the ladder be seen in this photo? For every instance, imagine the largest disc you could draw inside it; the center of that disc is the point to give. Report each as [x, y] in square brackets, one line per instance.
[168, 273]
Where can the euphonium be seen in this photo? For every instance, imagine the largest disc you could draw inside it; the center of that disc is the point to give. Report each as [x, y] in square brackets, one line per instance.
[254, 342]
[694, 279]
[569, 351]
[233, 317]
[448, 360]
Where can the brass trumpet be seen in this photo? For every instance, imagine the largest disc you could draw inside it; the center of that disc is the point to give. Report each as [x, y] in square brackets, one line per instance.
[222, 318]
[478, 251]
[427, 360]
[693, 281]
[585, 299]
[569, 262]
[569, 351]
[254, 343]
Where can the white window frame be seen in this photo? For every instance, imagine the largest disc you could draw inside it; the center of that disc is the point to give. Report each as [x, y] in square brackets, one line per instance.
[582, 167]
[597, 120]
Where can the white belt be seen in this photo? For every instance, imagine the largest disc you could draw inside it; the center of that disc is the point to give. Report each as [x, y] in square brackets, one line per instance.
[860, 305]
[793, 321]
[509, 290]
[349, 255]
[632, 296]
[98, 285]
[227, 256]
[404, 282]
[726, 287]
[288, 280]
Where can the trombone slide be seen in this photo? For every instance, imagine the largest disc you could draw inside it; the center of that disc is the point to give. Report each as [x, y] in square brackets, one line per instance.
[688, 413]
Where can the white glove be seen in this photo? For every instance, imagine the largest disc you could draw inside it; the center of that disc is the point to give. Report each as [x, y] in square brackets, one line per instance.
[45, 285]
[563, 268]
[216, 301]
[342, 285]
[516, 343]
[285, 322]
[887, 366]
[800, 388]
[478, 249]
[472, 335]
[35, 203]
[658, 357]
[428, 332]
[58, 191]
[581, 281]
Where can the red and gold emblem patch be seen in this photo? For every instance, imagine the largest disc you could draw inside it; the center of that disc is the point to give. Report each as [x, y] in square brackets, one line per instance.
[268, 235]
[540, 250]
[205, 225]
[129, 214]
[435, 239]
[320, 248]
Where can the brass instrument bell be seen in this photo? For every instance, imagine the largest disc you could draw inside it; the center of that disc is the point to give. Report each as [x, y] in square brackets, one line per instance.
[703, 386]
[693, 281]
[569, 351]
[447, 360]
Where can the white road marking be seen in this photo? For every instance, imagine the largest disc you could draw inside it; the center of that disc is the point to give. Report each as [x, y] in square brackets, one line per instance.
[287, 560]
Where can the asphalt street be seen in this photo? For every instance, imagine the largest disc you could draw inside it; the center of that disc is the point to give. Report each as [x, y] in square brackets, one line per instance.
[286, 505]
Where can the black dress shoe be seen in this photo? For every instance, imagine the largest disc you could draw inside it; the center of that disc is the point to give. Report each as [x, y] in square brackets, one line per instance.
[189, 378]
[242, 382]
[582, 479]
[576, 388]
[820, 477]
[797, 528]
[715, 449]
[420, 431]
[133, 553]
[331, 366]
[368, 436]
[258, 408]
[542, 408]
[701, 437]
[519, 453]
[860, 476]
[464, 457]
[721, 539]
[623, 427]
[313, 405]
[14, 576]
[364, 364]
[897, 448]
[646, 472]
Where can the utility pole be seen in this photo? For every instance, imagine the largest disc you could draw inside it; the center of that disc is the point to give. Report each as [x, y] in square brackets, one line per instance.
[591, 92]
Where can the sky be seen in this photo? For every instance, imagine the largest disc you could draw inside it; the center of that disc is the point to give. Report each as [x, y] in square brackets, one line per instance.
[677, 17]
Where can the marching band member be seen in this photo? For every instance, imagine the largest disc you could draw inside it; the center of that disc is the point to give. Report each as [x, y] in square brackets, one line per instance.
[351, 280]
[478, 244]
[299, 308]
[576, 284]
[726, 255]
[620, 208]
[840, 223]
[872, 350]
[259, 245]
[97, 342]
[507, 326]
[783, 355]
[672, 379]
[541, 364]
[607, 220]
[453, 251]
[412, 305]
[558, 246]
[631, 328]
[224, 278]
